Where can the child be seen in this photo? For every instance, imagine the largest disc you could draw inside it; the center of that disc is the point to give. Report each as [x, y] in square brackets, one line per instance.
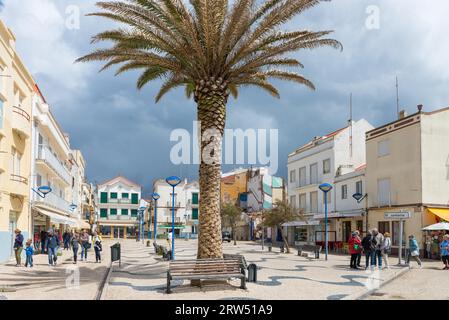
[29, 253]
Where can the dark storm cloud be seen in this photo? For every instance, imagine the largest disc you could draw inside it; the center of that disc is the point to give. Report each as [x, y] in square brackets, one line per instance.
[122, 130]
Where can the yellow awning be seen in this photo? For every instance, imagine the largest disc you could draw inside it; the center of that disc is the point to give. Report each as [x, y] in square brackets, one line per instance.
[442, 213]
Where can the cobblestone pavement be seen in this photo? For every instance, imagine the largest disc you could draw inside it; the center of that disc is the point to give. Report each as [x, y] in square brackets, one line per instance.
[44, 282]
[429, 283]
[280, 276]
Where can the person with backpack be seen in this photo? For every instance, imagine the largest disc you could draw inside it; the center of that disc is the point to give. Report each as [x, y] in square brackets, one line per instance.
[369, 249]
[386, 249]
[355, 249]
[52, 244]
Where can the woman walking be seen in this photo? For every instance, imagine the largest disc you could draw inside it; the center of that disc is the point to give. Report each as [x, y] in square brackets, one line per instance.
[84, 245]
[75, 246]
[386, 249]
[414, 251]
[18, 247]
[355, 248]
[97, 247]
[444, 246]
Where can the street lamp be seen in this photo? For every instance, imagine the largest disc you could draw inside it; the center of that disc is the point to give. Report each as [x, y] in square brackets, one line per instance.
[325, 187]
[141, 212]
[155, 197]
[42, 191]
[173, 181]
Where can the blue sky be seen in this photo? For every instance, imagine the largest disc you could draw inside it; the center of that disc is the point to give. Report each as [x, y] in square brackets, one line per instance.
[121, 130]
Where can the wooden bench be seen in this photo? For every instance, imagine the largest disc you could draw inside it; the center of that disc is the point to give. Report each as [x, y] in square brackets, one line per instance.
[242, 259]
[206, 269]
[309, 248]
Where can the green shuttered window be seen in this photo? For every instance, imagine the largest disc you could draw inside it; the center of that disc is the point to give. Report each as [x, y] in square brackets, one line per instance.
[104, 197]
[195, 214]
[113, 212]
[124, 212]
[133, 212]
[103, 213]
[194, 198]
[134, 198]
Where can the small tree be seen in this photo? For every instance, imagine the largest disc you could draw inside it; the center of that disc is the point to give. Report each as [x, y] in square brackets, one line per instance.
[230, 216]
[282, 212]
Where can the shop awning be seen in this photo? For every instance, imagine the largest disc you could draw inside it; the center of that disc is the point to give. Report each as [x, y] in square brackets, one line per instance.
[340, 214]
[57, 218]
[442, 213]
[83, 225]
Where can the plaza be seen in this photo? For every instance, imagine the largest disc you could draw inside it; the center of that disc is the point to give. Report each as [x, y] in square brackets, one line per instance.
[280, 276]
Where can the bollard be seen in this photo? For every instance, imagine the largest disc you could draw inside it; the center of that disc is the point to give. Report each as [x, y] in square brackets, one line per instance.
[281, 248]
[269, 248]
[252, 273]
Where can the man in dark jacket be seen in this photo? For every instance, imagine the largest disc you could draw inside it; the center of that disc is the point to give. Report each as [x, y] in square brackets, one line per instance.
[18, 247]
[52, 245]
[369, 248]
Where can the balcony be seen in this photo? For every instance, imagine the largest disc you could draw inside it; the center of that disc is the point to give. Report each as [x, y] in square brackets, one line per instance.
[3, 160]
[53, 201]
[122, 200]
[177, 204]
[20, 185]
[46, 158]
[120, 217]
[21, 122]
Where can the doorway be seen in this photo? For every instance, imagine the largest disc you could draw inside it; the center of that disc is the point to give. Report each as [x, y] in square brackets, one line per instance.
[12, 227]
[346, 231]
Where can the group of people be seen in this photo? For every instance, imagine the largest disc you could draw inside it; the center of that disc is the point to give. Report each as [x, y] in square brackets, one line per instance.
[376, 247]
[51, 242]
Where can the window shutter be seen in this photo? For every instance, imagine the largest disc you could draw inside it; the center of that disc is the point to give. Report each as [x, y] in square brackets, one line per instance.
[134, 198]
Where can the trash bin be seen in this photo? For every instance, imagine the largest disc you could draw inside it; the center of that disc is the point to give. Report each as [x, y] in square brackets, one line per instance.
[116, 253]
[252, 273]
[269, 247]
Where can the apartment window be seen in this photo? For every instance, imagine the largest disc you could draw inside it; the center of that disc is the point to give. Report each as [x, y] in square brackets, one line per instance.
[383, 226]
[125, 195]
[103, 213]
[195, 213]
[293, 201]
[302, 176]
[113, 212]
[302, 201]
[326, 166]
[133, 212]
[328, 195]
[383, 148]
[344, 191]
[103, 197]
[194, 198]
[314, 201]
[134, 198]
[292, 176]
[124, 212]
[16, 159]
[359, 187]
[113, 195]
[314, 173]
[383, 192]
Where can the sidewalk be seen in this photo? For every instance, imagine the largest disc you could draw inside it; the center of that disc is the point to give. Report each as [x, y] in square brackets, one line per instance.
[65, 281]
[280, 276]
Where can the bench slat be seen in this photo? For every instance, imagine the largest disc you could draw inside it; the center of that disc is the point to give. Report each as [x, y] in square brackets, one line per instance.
[203, 276]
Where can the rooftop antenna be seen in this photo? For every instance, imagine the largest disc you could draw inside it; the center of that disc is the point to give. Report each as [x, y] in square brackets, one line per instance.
[397, 97]
[350, 124]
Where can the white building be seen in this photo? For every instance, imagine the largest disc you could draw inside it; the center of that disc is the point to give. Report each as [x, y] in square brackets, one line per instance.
[118, 207]
[51, 166]
[320, 161]
[186, 208]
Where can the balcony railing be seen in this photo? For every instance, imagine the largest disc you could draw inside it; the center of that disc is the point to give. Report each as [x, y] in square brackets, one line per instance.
[52, 200]
[17, 178]
[177, 204]
[122, 200]
[45, 154]
[21, 121]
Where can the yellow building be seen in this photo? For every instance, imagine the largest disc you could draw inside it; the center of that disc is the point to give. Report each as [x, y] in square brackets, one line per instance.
[233, 184]
[16, 88]
[408, 170]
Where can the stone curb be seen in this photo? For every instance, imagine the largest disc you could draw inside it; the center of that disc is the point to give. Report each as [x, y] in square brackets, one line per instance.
[103, 288]
[364, 294]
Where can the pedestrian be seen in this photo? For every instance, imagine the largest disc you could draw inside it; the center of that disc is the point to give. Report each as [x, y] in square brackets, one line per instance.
[379, 240]
[18, 247]
[368, 249]
[52, 245]
[355, 249]
[43, 240]
[444, 247]
[97, 247]
[75, 246]
[386, 249]
[84, 239]
[413, 251]
[29, 250]
[66, 239]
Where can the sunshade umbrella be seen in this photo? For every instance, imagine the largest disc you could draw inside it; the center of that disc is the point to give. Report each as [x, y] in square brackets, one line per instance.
[437, 227]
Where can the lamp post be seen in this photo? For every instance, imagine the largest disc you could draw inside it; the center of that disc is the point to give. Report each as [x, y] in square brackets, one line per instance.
[325, 187]
[155, 197]
[173, 181]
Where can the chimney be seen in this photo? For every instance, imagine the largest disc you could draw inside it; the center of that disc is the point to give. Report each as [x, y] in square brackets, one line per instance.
[420, 106]
[402, 114]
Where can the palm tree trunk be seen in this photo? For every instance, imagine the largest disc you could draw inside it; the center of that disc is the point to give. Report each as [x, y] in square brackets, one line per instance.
[233, 234]
[211, 104]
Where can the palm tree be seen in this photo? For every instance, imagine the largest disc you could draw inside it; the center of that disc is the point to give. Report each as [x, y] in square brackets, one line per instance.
[212, 49]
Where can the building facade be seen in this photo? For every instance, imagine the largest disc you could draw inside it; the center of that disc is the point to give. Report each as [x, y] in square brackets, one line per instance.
[408, 171]
[118, 205]
[320, 161]
[16, 90]
[187, 197]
